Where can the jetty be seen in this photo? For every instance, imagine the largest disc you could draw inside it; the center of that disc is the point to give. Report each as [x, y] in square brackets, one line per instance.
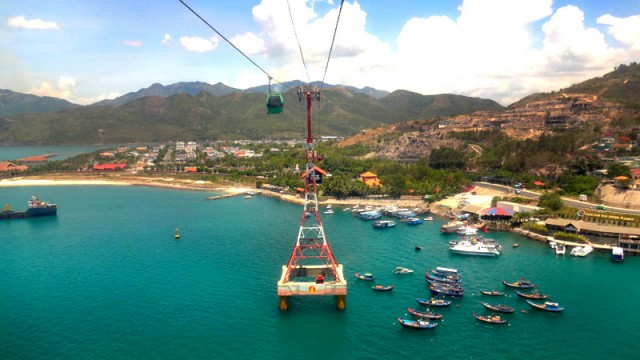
[218, 197]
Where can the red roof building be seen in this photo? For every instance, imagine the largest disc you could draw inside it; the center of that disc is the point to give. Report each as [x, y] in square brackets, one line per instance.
[33, 161]
[6, 166]
[109, 167]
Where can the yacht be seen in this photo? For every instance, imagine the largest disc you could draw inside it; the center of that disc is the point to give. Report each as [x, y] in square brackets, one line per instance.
[560, 249]
[581, 251]
[477, 248]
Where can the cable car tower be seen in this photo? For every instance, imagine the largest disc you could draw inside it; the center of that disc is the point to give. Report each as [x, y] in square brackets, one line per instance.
[312, 270]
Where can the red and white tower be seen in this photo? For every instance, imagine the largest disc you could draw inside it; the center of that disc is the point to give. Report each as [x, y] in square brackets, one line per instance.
[312, 270]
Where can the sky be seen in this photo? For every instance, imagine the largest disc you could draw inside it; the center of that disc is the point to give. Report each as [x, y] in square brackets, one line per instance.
[87, 51]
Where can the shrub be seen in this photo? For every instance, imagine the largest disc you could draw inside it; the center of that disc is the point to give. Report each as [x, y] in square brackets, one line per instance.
[569, 237]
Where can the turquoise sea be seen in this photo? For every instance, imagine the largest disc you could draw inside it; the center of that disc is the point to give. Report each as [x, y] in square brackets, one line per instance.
[57, 152]
[105, 279]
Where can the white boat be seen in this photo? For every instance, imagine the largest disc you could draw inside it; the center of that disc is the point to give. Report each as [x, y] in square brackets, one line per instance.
[383, 224]
[247, 197]
[560, 249]
[617, 254]
[328, 211]
[452, 227]
[402, 270]
[428, 218]
[581, 251]
[467, 230]
[370, 215]
[475, 248]
[552, 244]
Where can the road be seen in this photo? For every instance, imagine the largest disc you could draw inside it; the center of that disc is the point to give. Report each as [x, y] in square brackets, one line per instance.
[567, 201]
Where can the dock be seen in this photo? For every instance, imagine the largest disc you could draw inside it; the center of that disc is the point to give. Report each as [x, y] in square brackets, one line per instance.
[225, 196]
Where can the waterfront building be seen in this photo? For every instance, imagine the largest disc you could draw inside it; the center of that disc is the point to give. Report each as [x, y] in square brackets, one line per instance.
[625, 237]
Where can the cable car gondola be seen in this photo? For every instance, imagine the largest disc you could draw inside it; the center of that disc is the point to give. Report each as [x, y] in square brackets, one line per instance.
[275, 102]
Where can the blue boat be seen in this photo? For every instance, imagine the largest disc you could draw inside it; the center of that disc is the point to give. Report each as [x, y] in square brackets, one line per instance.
[453, 291]
[365, 276]
[370, 215]
[35, 208]
[617, 254]
[434, 302]
[415, 221]
[434, 279]
[547, 306]
[520, 284]
[383, 224]
[417, 324]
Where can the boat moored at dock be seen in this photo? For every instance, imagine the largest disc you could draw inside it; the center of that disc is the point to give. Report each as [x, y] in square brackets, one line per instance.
[617, 254]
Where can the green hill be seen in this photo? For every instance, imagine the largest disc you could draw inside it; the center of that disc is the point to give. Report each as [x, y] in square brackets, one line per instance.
[340, 112]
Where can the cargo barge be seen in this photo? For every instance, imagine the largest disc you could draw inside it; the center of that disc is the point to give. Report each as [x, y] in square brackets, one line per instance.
[35, 208]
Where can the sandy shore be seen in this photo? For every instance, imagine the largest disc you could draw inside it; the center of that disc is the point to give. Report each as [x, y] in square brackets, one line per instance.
[482, 198]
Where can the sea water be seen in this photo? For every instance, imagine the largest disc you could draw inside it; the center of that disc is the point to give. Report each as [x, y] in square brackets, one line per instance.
[54, 152]
[105, 279]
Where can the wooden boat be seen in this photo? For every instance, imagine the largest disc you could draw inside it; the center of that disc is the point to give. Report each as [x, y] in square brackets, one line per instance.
[383, 224]
[453, 291]
[424, 314]
[520, 284]
[499, 308]
[432, 278]
[446, 272]
[177, 235]
[535, 295]
[418, 247]
[492, 293]
[493, 319]
[365, 276]
[547, 306]
[382, 287]
[417, 324]
[434, 302]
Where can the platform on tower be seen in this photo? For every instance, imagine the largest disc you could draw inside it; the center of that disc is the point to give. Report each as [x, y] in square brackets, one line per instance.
[305, 281]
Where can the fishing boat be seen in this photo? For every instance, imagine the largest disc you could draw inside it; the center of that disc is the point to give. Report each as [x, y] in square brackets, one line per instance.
[383, 224]
[492, 293]
[452, 227]
[493, 319]
[365, 276]
[418, 247]
[424, 314]
[382, 287]
[499, 308]
[520, 284]
[560, 249]
[402, 270]
[177, 235]
[617, 254]
[445, 290]
[535, 295]
[547, 306]
[417, 324]
[434, 302]
[443, 271]
[432, 278]
[414, 221]
[474, 248]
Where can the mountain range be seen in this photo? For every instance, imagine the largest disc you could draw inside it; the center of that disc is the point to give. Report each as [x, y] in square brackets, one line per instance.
[201, 111]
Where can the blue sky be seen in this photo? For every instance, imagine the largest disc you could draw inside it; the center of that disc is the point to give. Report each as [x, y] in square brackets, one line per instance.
[86, 51]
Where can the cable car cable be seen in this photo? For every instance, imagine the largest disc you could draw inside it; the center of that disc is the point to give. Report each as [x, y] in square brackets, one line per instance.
[298, 41]
[332, 42]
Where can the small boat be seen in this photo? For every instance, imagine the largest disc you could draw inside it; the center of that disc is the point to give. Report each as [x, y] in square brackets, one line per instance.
[414, 221]
[617, 254]
[560, 249]
[370, 215]
[499, 308]
[532, 295]
[328, 211]
[474, 248]
[418, 247]
[434, 279]
[424, 314]
[382, 287]
[516, 245]
[444, 290]
[177, 235]
[428, 218]
[417, 324]
[402, 270]
[492, 293]
[383, 224]
[581, 251]
[553, 244]
[365, 276]
[247, 197]
[493, 319]
[467, 230]
[452, 227]
[547, 306]
[520, 284]
[443, 271]
[434, 302]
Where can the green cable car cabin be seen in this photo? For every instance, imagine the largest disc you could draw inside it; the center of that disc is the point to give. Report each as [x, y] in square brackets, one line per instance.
[275, 103]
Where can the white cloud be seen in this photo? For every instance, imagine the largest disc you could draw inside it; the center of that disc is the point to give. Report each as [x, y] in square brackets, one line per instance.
[132, 43]
[199, 44]
[249, 43]
[166, 39]
[65, 88]
[625, 30]
[34, 24]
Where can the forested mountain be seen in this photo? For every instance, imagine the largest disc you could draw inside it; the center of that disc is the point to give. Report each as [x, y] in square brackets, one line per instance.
[12, 103]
